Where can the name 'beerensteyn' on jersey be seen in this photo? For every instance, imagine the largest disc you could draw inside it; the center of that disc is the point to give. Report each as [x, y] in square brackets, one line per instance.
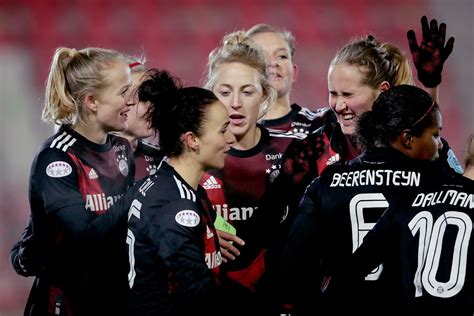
[451, 197]
[376, 177]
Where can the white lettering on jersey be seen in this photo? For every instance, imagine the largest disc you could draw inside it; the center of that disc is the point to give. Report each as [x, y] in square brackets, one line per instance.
[376, 177]
[273, 156]
[188, 218]
[452, 197]
[213, 259]
[58, 169]
[119, 148]
[234, 213]
[100, 202]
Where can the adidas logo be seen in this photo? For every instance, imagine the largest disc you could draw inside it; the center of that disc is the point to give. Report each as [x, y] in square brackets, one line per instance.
[211, 183]
[93, 174]
[209, 233]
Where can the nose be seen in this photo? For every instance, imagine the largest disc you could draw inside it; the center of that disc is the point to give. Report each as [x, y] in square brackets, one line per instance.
[440, 144]
[339, 104]
[236, 102]
[230, 138]
[131, 98]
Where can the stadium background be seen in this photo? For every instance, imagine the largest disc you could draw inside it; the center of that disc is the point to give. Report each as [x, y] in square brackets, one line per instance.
[178, 35]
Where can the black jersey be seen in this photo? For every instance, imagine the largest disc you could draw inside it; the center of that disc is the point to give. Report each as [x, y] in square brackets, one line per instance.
[173, 247]
[336, 212]
[431, 237]
[299, 121]
[235, 192]
[306, 159]
[147, 159]
[79, 239]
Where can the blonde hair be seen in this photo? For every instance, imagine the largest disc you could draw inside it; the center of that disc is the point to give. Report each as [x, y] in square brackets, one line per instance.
[266, 28]
[136, 64]
[379, 62]
[469, 152]
[72, 75]
[239, 48]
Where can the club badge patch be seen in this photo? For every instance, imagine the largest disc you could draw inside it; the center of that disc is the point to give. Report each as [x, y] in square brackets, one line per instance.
[58, 169]
[188, 218]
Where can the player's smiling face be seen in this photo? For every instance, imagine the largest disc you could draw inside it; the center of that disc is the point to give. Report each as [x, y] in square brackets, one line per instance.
[349, 97]
[114, 101]
[216, 137]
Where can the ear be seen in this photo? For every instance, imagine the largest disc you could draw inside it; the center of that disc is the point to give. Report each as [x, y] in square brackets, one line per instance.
[295, 72]
[191, 140]
[384, 86]
[90, 102]
[406, 139]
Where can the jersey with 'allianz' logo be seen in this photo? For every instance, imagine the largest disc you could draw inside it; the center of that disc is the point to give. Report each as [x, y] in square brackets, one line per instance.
[73, 181]
[235, 193]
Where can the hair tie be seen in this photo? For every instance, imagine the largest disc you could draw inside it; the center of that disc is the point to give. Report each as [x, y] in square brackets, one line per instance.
[426, 113]
[134, 64]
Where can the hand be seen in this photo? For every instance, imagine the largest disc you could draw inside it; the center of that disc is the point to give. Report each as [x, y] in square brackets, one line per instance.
[430, 56]
[228, 250]
[26, 257]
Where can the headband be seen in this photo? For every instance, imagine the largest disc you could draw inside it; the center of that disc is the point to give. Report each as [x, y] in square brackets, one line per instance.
[426, 113]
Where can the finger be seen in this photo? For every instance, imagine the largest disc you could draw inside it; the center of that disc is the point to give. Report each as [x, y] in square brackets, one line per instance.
[412, 41]
[448, 49]
[434, 28]
[442, 35]
[425, 29]
[229, 237]
[226, 255]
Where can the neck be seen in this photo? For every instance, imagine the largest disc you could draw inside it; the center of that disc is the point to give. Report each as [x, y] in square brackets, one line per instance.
[249, 140]
[469, 172]
[188, 169]
[279, 108]
[131, 139]
[91, 132]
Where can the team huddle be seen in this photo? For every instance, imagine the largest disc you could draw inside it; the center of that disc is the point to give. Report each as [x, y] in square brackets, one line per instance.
[153, 198]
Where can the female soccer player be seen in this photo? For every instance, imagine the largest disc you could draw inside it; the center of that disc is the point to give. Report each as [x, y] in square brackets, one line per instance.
[76, 177]
[173, 245]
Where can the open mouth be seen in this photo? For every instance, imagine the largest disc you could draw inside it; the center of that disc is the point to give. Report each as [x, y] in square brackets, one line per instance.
[236, 119]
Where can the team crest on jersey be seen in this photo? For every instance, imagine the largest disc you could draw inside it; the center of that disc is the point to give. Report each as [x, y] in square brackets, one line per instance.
[333, 159]
[58, 169]
[273, 172]
[152, 169]
[188, 218]
[123, 166]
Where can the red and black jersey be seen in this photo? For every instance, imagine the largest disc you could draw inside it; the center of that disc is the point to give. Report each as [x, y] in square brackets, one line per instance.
[431, 242]
[300, 121]
[147, 159]
[173, 247]
[236, 192]
[73, 185]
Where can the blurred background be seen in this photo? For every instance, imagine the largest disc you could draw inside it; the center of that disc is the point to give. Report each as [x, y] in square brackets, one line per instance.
[178, 35]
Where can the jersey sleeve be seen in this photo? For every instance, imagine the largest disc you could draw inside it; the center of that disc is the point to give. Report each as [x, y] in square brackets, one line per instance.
[22, 254]
[55, 182]
[176, 231]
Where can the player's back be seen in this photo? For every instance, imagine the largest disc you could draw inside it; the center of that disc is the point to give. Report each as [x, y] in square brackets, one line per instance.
[345, 203]
[430, 239]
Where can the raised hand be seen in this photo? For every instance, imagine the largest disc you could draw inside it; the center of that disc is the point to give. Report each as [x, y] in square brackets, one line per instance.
[430, 55]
